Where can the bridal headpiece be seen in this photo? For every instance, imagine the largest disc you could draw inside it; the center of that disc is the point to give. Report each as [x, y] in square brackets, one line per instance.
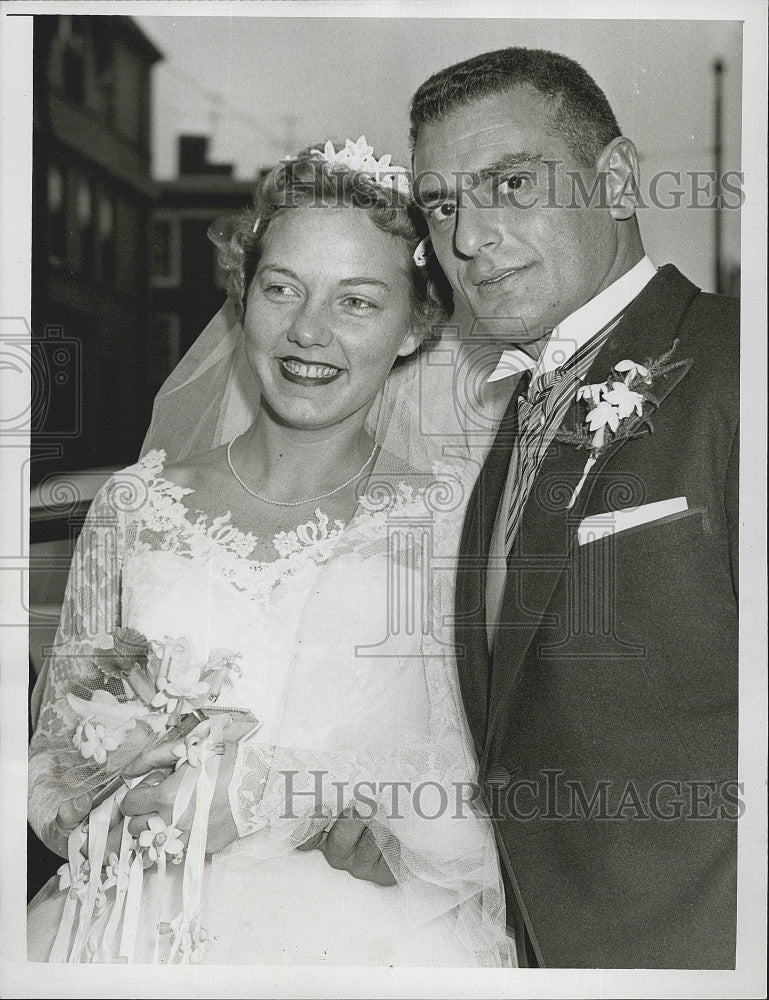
[360, 156]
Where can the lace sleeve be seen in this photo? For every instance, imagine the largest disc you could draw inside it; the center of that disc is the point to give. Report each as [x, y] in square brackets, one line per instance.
[91, 606]
[246, 788]
[286, 788]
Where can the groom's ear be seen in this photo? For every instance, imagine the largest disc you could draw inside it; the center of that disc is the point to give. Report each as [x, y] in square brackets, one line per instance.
[618, 163]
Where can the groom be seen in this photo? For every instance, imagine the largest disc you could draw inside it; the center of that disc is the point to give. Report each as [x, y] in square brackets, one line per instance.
[596, 618]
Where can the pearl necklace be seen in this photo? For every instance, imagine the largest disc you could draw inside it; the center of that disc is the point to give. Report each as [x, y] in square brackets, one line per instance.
[294, 503]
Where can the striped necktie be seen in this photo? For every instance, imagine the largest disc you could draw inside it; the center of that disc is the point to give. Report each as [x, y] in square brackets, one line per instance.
[541, 412]
[540, 416]
[539, 390]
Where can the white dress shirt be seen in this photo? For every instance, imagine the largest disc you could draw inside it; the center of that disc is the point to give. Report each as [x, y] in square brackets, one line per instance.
[574, 331]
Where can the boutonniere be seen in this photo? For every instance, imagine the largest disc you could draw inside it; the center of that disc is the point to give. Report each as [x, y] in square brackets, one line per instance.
[616, 407]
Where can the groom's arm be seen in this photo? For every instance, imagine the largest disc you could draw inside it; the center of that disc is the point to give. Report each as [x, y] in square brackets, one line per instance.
[349, 845]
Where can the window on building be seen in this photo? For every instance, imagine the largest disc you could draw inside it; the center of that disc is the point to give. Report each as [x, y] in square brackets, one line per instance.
[83, 205]
[83, 258]
[164, 348]
[56, 217]
[104, 67]
[130, 227]
[72, 41]
[105, 235]
[165, 253]
[128, 94]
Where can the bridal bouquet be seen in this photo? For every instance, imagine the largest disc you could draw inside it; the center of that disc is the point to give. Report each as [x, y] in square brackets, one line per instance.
[163, 686]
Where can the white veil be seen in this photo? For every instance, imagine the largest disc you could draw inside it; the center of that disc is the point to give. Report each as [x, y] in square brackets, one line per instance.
[435, 405]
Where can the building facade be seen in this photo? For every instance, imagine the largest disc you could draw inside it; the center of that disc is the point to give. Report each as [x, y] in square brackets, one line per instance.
[92, 200]
[188, 287]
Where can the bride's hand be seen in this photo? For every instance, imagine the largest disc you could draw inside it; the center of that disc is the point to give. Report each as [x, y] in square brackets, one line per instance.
[349, 845]
[157, 759]
[155, 797]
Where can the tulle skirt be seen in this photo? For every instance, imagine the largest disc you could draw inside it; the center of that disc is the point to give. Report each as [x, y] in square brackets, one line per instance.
[290, 910]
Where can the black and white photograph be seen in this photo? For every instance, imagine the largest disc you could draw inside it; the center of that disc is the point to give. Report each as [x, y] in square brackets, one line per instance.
[384, 586]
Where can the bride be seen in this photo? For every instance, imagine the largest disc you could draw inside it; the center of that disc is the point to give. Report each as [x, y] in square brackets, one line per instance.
[303, 567]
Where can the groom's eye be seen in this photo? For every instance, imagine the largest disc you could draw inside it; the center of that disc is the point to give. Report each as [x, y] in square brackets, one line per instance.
[515, 183]
[441, 213]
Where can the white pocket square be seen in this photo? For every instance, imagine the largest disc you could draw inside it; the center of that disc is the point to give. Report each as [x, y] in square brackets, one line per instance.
[602, 525]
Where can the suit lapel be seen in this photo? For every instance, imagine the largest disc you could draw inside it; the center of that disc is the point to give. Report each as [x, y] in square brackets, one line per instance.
[547, 527]
[472, 649]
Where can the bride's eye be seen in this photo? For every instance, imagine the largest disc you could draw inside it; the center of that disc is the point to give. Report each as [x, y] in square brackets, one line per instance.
[276, 291]
[359, 305]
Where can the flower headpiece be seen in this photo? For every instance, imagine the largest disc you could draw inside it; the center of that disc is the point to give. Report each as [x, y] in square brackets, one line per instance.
[360, 156]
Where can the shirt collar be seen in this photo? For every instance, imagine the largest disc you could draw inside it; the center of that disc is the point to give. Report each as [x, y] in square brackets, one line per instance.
[574, 331]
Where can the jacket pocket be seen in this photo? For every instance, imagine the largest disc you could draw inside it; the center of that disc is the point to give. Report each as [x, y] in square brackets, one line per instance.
[661, 534]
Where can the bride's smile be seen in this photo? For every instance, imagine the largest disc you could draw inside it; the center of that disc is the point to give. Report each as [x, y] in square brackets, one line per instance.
[306, 373]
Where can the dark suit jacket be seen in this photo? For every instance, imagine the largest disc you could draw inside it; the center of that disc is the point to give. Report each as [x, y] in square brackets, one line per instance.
[612, 688]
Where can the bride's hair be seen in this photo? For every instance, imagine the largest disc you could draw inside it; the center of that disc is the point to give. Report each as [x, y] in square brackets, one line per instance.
[310, 180]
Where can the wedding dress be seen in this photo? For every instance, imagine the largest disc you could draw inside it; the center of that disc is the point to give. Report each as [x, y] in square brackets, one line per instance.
[345, 660]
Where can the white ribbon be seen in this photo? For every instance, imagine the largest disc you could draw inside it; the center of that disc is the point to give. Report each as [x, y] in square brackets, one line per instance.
[200, 782]
[132, 905]
[132, 901]
[121, 889]
[60, 948]
[98, 830]
[204, 781]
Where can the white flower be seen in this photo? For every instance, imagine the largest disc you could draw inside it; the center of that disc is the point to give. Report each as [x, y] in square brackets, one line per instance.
[175, 653]
[160, 839]
[625, 400]
[286, 543]
[112, 871]
[592, 393]
[77, 886]
[598, 419]
[65, 876]
[221, 666]
[633, 370]
[103, 709]
[360, 156]
[612, 402]
[179, 676]
[93, 740]
[198, 747]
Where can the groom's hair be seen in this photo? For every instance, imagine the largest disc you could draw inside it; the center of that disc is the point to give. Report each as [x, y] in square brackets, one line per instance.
[578, 108]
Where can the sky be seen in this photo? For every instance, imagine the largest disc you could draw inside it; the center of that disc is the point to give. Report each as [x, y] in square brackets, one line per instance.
[266, 86]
